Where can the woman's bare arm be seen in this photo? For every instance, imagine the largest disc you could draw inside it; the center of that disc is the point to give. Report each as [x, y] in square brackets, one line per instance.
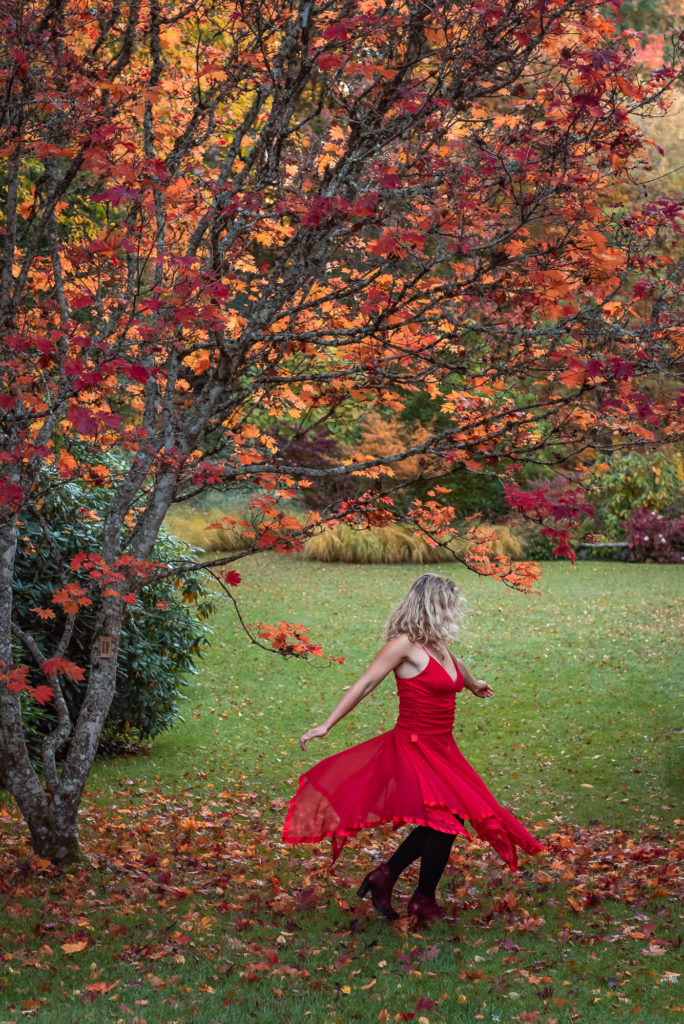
[478, 687]
[395, 651]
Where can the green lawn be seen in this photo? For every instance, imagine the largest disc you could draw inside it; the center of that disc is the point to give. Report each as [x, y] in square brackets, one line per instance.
[193, 910]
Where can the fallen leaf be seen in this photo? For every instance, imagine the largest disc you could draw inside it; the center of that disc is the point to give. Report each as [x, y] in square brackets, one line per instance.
[75, 947]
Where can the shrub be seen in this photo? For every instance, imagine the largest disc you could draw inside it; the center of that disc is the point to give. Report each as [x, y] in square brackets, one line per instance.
[159, 645]
[631, 481]
[531, 540]
[655, 538]
[319, 448]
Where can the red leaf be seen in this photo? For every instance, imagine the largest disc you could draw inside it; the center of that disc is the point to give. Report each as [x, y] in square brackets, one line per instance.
[329, 61]
[10, 494]
[61, 666]
[136, 372]
[387, 243]
[339, 31]
[17, 678]
[82, 419]
[390, 180]
[589, 103]
[116, 195]
[71, 597]
[233, 578]
[43, 694]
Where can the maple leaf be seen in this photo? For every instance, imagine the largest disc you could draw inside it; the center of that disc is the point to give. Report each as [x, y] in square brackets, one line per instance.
[62, 666]
[388, 179]
[136, 372]
[43, 694]
[44, 613]
[384, 245]
[116, 195]
[67, 465]
[16, 677]
[71, 597]
[233, 578]
[339, 30]
[10, 493]
[82, 419]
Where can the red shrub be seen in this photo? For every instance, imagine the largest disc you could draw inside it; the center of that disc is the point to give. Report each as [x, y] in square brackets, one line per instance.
[655, 538]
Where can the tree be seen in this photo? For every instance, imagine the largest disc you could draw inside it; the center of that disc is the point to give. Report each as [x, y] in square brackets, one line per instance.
[225, 221]
[162, 637]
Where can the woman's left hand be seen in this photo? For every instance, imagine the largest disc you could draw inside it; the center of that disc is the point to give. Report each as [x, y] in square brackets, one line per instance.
[317, 732]
[481, 689]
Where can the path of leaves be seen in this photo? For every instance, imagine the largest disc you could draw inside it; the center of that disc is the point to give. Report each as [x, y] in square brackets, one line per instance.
[171, 878]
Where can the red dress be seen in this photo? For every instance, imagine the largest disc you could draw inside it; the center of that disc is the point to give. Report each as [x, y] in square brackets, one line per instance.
[413, 773]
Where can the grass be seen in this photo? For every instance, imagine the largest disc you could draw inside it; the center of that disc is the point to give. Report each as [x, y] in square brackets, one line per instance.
[192, 909]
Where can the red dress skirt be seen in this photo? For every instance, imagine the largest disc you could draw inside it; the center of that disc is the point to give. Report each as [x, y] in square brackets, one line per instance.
[413, 773]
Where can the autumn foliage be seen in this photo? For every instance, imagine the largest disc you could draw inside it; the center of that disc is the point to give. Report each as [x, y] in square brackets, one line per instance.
[228, 222]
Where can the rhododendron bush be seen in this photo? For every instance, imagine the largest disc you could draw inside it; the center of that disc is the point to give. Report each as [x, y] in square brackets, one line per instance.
[225, 224]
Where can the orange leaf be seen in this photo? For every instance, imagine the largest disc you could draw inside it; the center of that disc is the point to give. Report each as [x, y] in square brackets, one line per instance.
[75, 947]
[44, 613]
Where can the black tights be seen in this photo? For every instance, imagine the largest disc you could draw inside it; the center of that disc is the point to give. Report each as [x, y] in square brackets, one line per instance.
[432, 847]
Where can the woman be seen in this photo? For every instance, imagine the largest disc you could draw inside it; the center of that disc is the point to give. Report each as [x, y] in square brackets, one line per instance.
[415, 772]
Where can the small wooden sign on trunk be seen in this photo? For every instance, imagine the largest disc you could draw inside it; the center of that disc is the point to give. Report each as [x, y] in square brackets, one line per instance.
[106, 646]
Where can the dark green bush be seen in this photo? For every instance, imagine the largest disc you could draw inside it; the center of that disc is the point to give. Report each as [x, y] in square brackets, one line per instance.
[536, 547]
[159, 645]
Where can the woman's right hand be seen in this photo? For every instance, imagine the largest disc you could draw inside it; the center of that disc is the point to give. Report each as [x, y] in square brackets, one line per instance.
[313, 734]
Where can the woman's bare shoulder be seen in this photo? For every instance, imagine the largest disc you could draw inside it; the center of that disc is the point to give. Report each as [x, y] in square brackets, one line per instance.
[402, 650]
[402, 644]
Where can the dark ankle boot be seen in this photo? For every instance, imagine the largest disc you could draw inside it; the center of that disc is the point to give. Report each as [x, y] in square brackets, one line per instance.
[425, 908]
[380, 881]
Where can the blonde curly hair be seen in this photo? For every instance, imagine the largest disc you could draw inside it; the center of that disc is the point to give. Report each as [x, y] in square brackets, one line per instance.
[430, 612]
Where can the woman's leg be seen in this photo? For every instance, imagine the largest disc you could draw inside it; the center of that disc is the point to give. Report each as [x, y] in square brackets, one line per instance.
[380, 881]
[431, 846]
[434, 859]
[411, 849]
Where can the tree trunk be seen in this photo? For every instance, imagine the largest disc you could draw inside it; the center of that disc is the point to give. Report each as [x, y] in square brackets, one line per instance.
[63, 812]
[54, 833]
[52, 817]
[16, 771]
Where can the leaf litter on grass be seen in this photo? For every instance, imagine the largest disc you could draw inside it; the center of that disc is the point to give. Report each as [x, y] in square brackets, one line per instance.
[190, 909]
[178, 887]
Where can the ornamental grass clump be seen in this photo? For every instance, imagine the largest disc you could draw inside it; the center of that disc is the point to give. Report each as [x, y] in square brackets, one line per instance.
[399, 544]
[195, 527]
